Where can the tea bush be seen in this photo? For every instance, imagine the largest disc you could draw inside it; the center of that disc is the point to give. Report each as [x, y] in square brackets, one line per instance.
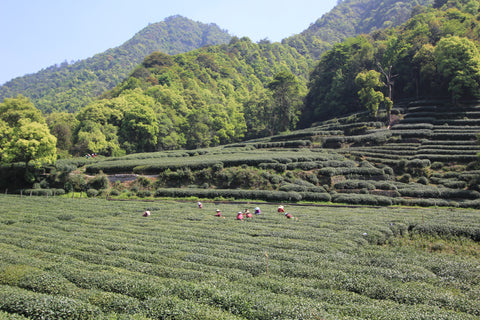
[92, 193]
[363, 199]
[43, 192]
[65, 258]
[42, 306]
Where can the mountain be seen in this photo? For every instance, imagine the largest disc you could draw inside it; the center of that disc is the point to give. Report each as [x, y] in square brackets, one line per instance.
[433, 55]
[67, 87]
[350, 18]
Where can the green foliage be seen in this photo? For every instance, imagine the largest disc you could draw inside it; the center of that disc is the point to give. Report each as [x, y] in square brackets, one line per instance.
[98, 182]
[432, 53]
[70, 86]
[24, 135]
[203, 98]
[351, 18]
[76, 182]
[287, 101]
[333, 263]
[458, 61]
[371, 98]
[332, 89]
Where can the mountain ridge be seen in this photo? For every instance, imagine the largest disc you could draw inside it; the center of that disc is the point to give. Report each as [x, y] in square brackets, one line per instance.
[94, 75]
[350, 18]
[56, 89]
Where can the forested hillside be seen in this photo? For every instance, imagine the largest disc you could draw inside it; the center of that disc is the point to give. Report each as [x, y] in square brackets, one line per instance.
[350, 18]
[206, 97]
[434, 54]
[67, 87]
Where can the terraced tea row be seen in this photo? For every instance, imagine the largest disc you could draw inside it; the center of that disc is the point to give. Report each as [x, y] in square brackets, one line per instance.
[97, 258]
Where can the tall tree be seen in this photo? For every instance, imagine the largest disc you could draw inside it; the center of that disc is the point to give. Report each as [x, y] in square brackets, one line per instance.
[287, 101]
[62, 125]
[139, 129]
[24, 135]
[370, 97]
[458, 61]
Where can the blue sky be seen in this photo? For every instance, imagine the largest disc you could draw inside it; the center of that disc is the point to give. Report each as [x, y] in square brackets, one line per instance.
[36, 34]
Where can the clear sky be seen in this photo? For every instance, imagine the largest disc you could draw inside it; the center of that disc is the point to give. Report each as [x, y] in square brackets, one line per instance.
[35, 34]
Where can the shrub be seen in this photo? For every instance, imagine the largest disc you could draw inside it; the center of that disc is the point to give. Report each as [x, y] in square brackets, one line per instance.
[143, 182]
[279, 167]
[388, 170]
[92, 193]
[99, 182]
[454, 184]
[354, 184]
[43, 306]
[114, 192]
[422, 180]
[144, 193]
[43, 192]
[420, 191]
[426, 202]
[447, 230]
[459, 194]
[316, 196]
[363, 199]
[406, 178]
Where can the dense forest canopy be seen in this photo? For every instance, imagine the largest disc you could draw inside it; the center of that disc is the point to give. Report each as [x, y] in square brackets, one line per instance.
[435, 53]
[351, 18]
[206, 97]
[69, 86]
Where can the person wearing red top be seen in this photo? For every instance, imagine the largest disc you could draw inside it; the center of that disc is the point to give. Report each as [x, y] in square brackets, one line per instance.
[239, 215]
[218, 214]
[248, 214]
[281, 209]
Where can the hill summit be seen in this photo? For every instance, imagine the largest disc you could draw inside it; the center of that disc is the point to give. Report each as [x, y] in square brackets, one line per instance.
[67, 87]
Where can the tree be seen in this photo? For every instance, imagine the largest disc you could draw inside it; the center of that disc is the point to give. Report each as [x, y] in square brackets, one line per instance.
[458, 61]
[28, 141]
[389, 83]
[24, 135]
[14, 109]
[258, 113]
[424, 66]
[287, 101]
[62, 125]
[139, 129]
[332, 83]
[95, 138]
[368, 82]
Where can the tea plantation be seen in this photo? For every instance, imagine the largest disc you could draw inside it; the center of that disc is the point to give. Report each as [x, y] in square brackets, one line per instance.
[427, 157]
[89, 258]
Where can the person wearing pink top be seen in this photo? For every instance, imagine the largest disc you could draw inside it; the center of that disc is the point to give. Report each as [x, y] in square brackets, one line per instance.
[239, 215]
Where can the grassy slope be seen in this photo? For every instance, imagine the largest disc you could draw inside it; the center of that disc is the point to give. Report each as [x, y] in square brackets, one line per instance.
[94, 257]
